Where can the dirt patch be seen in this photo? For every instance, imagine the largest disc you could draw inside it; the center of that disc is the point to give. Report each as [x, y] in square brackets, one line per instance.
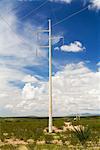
[22, 147]
[13, 142]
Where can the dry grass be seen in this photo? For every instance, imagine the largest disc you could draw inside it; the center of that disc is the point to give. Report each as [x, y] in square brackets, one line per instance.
[27, 133]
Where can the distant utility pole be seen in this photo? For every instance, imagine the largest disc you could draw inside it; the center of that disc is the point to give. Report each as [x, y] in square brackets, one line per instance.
[49, 31]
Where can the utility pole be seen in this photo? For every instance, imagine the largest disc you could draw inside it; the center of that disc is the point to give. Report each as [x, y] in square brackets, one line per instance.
[50, 77]
[49, 31]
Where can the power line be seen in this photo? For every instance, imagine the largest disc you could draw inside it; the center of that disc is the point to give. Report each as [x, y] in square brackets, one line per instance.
[33, 10]
[26, 14]
[13, 9]
[5, 22]
[70, 16]
[23, 16]
[21, 40]
[11, 28]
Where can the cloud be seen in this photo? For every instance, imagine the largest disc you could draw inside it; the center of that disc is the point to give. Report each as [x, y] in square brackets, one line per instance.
[75, 91]
[20, 46]
[62, 1]
[29, 91]
[72, 47]
[95, 4]
[9, 94]
[56, 48]
[17, 51]
[98, 65]
[30, 79]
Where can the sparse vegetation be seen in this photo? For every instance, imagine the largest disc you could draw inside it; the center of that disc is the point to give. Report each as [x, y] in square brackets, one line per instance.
[82, 134]
[48, 138]
[29, 132]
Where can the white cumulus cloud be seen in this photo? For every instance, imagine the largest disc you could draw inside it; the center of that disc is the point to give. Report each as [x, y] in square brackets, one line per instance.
[30, 79]
[76, 89]
[17, 50]
[98, 65]
[95, 4]
[72, 47]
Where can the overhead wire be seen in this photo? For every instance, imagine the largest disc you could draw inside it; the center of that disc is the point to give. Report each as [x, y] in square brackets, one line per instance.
[66, 18]
[15, 8]
[6, 22]
[33, 10]
[70, 16]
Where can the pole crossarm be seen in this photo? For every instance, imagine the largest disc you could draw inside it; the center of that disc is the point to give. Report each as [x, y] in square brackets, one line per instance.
[42, 31]
[46, 46]
[60, 37]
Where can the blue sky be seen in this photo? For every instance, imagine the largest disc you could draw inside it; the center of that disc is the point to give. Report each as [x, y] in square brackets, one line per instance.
[75, 62]
[83, 27]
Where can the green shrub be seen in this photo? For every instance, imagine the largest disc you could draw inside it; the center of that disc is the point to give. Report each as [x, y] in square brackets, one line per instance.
[48, 138]
[37, 134]
[82, 134]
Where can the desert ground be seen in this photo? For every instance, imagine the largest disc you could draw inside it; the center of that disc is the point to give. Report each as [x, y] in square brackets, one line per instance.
[69, 133]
